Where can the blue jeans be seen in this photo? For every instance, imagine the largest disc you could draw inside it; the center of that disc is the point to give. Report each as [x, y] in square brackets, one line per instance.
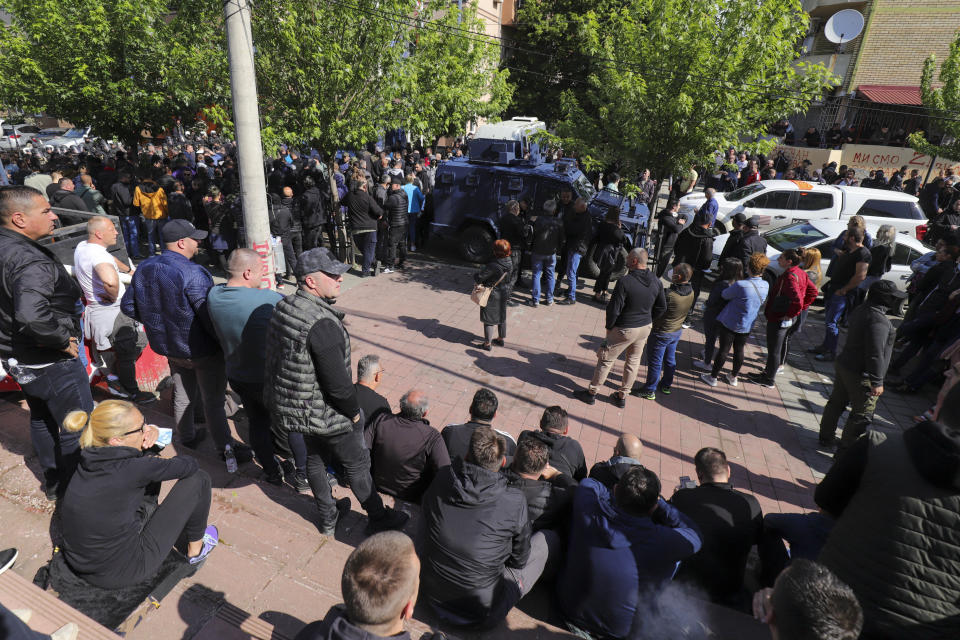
[661, 357]
[131, 236]
[573, 264]
[154, 230]
[832, 315]
[540, 264]
[412, 226]
[58, 389]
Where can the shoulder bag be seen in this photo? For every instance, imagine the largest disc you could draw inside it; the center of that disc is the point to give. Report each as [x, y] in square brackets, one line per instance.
[481, 293]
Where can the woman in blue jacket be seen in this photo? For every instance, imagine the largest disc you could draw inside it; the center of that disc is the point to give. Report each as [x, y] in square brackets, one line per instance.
[744, 300]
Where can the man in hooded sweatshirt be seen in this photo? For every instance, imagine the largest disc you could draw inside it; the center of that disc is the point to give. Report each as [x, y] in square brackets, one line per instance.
[65, 198]
[479, 555]
[896, 541]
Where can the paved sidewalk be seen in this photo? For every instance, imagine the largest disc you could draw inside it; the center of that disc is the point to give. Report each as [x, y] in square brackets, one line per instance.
[274, 565]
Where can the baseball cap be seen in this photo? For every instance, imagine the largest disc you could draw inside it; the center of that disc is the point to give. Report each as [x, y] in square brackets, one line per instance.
[179, 229]
[739, 218]
[886, 288]
[753, 222]
[396, 180]
[320, 259]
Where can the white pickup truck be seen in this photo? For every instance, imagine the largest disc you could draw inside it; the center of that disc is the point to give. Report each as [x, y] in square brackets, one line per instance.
[780, 202]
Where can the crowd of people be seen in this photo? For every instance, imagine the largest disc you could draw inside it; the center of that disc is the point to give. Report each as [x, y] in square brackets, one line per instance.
[837, 135]
[498, 516]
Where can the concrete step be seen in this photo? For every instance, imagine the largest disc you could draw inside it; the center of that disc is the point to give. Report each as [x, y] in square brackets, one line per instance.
[48, 613]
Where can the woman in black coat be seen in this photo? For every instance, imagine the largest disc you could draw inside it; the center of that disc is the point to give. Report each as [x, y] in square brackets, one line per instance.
[115, 534]
[497, 274]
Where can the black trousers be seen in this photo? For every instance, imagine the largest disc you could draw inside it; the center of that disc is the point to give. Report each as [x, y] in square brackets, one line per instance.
[258, 417]
[312, 237]
[778, 345]
[397, 247]
[348, 451]
[289, 253]
[603, 281]
[728, 338]
[183, 512]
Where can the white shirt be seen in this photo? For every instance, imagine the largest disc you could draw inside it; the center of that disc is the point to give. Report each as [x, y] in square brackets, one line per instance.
[86, 257]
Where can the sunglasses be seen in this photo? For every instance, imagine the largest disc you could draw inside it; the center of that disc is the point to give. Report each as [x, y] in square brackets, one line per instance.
[140, 430]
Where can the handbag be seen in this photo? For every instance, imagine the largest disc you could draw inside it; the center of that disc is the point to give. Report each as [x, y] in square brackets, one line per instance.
[481, 293]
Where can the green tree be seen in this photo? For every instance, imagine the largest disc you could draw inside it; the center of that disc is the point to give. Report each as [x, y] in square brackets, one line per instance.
[662, 83]
[944, 105]
[339, 74]
[115, 65]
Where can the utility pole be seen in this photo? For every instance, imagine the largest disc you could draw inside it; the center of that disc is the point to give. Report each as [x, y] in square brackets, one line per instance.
[246, 119]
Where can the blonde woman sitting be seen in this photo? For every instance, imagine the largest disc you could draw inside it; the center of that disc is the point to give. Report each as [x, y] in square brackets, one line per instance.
[110, 537]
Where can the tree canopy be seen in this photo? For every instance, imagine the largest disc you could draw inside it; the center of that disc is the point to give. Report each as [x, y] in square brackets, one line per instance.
[115, 65]
[943, 101]
[661, 83]
[334, 74]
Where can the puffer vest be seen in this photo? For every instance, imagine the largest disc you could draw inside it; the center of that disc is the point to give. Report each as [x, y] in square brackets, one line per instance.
[897, 545]
[291, 391]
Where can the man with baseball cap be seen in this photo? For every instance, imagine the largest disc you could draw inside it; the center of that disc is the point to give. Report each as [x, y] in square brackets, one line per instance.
[309, 389]
[169, 297]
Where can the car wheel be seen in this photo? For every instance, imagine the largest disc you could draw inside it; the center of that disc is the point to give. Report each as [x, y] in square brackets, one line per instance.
[476, 244]
[900, 308]
[720, 227]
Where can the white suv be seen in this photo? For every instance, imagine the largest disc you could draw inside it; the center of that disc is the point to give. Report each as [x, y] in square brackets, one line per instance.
[779, 202]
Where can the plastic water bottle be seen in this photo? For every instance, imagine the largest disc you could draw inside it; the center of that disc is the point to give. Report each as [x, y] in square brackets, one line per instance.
[230, 458]
[23, 375]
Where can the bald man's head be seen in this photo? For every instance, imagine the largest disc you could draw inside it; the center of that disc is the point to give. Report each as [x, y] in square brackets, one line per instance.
[287, 192]
[98, 223]
[414, 404]
[242, 260]
[629, 446]
[637, 259]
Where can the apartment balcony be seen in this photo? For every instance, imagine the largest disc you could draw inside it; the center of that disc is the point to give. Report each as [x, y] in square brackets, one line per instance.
[826, 8]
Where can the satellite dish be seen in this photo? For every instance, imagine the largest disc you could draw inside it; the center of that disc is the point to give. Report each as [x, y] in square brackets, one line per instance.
[843, 26]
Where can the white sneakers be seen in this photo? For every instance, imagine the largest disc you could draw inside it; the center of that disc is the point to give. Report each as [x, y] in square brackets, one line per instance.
[731, 380]
[709, 379]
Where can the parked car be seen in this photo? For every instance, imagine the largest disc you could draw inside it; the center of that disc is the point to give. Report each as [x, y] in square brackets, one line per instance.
[52, 132]
[780, 202]
[820, 234]
[16, 136]
[72, 138]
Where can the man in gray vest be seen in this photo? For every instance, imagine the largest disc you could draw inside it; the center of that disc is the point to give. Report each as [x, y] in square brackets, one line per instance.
[309, 389]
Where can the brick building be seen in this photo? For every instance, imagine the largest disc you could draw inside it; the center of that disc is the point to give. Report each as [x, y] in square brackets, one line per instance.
[881, 68]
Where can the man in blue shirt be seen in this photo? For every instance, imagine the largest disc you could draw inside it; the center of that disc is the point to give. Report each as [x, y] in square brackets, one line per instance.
[415, 199]
[240, 312]
[169, 297]
[623, 544]
[708, 210]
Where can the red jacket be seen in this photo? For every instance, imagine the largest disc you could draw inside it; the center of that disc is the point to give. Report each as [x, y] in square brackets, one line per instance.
[794, 284]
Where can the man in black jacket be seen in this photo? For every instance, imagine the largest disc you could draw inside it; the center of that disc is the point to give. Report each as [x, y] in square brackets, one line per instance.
[578, 228]
[281, 225]
[363, 214]
[730, 523]
[896, 541]
[313, 213]
[695, 247]
[637, 299]
[547, 237]
[396, 208]
[40, 330]
[380, 582]
[566, 454]
[749, 243]
[483, 409]
[405, 451]
[669, 225]
[121, 195]
[479, 555]
[548, 492]
[862, 365]
[65, 198]
[512, 230]
[626, 455]
[369, 377]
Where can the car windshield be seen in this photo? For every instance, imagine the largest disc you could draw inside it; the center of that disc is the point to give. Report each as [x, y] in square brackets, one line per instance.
[743, 192]
[584, 189]
[798, 235]
[74, 133]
